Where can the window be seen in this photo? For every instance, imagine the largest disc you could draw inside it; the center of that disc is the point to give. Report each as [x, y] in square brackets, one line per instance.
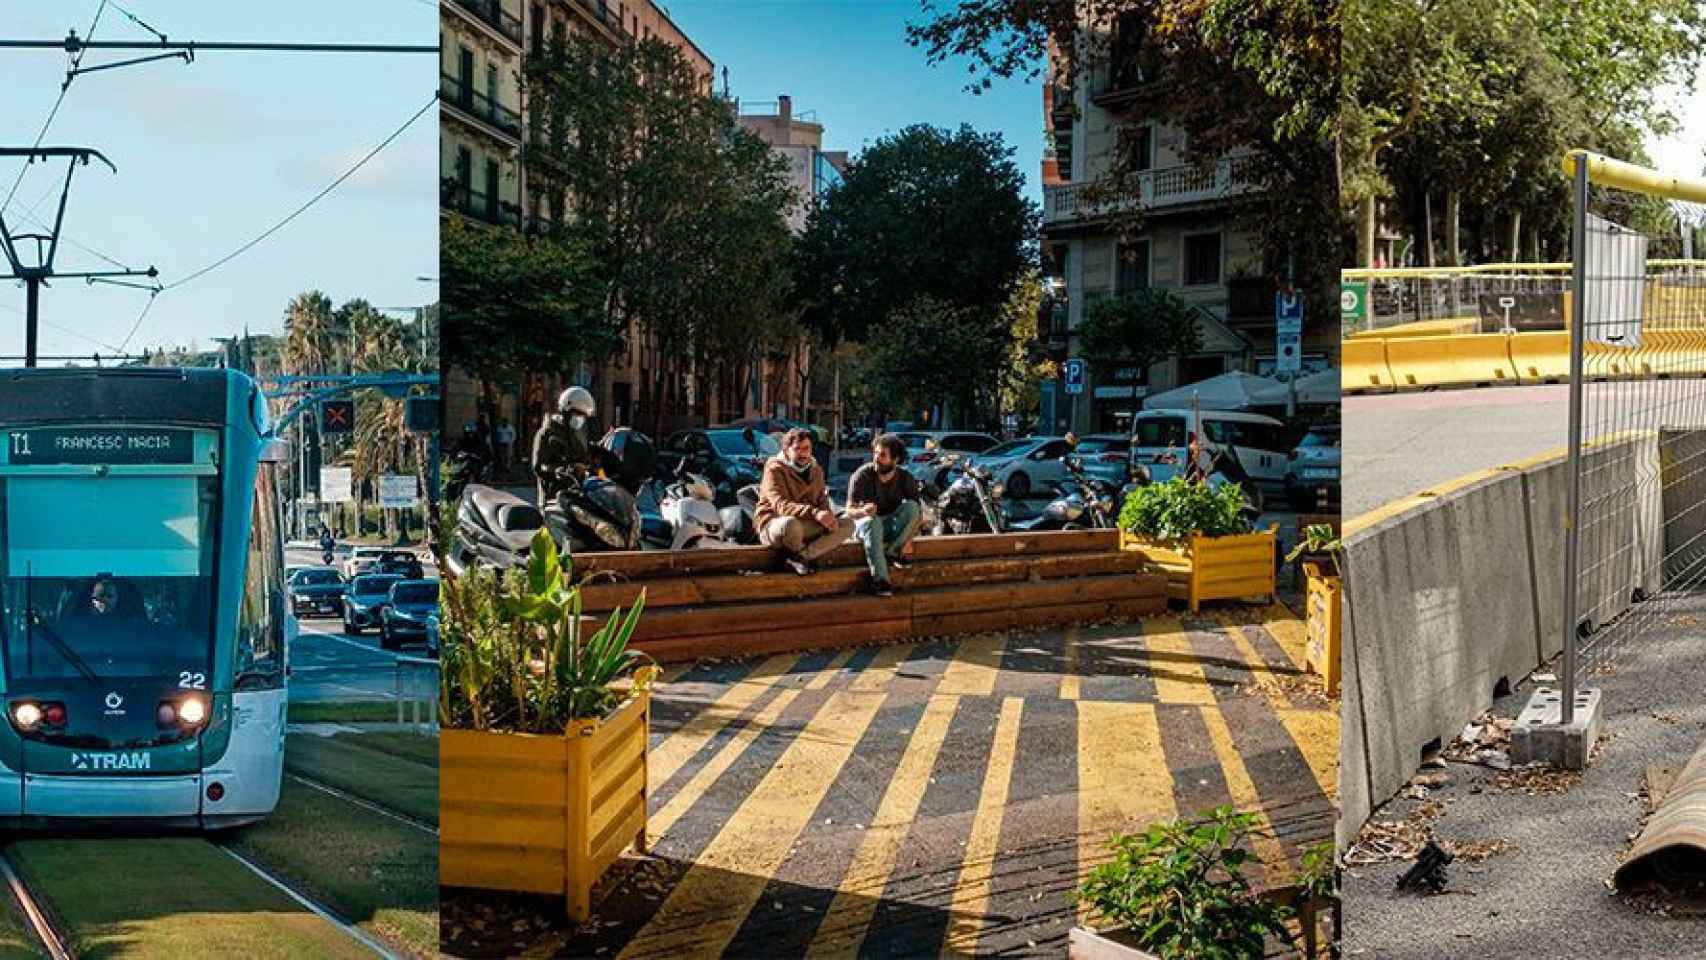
[1142, 147]
[465, 71]
[1202, 259]
[492, 87]
[1161, 432]
[537, 15]
[1053, 450]
[260, 623]
[491, 188]
[1133, 266]
[464, 174]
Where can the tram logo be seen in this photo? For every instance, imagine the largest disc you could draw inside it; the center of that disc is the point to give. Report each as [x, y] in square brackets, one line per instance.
[135, 760]
[114, 703]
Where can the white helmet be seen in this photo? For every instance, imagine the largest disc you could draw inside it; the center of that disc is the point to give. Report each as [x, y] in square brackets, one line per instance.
[576, 400]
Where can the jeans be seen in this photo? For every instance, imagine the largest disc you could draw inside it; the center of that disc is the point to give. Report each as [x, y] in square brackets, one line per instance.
[886, 537]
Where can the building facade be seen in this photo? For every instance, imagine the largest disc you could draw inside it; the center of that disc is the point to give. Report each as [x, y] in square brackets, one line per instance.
[1189, 242]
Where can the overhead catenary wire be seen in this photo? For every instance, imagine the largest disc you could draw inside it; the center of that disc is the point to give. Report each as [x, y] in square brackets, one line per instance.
[250, 244]
[76, 61]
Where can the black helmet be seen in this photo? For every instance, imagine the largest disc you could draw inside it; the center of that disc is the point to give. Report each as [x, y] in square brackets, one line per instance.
[634, 453]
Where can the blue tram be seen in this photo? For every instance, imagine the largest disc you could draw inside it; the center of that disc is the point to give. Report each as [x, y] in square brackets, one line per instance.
[144, 623]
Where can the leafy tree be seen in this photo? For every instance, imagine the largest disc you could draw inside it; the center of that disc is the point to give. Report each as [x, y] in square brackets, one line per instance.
[682, 212]
[1259, 76]
[1139, 329]
[520, 304]
[931, 351]
[1024, 369]
[310, 334]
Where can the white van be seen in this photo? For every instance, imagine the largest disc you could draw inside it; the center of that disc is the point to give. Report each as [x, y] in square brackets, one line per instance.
[1159, 439]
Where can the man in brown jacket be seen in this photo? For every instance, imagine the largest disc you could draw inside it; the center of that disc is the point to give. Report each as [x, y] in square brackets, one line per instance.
[794, 513]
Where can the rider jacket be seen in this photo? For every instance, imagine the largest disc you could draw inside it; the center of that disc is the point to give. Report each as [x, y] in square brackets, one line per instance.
[556, 446]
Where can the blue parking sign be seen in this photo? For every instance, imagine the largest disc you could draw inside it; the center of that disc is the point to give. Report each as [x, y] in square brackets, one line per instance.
[1073, 374]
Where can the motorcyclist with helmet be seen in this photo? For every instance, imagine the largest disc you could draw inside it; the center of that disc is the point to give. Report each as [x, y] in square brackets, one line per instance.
[562, 454]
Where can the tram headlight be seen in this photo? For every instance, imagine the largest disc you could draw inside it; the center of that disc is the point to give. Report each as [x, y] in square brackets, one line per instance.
[26, 716]
[192, 711]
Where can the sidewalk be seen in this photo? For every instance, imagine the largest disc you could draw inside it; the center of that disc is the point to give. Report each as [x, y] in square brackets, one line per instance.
[1543, 892]
[946, 795]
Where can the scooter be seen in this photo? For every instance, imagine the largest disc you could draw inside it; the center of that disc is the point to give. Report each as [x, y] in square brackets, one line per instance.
[1084, 503]
[692, 520]
[494, 531]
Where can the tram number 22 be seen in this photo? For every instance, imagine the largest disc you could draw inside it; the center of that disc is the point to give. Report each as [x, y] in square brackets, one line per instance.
[192, 681]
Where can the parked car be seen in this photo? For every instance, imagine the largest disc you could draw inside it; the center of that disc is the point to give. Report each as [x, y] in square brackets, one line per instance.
[722, 455]
[317, 590]
[1106, 457]
[926, 448]
[359, 559]
[1312, 476]
[777, 426]
[1025, 466]
[1160, 438]
[365, 604]
[409, 607]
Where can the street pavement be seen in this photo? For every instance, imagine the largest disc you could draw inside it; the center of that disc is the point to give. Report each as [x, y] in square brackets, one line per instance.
[944, 795]
[327, 665]
[1401, 443]
[1548, 895]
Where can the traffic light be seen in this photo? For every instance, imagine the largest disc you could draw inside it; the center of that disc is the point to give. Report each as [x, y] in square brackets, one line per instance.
[420, 415]
[337, 416]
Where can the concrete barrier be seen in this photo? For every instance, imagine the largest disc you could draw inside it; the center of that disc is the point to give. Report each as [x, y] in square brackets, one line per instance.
[1421, 328]
[1432, 629]
[1362, 367]
[1471, 360]
[1540, 357]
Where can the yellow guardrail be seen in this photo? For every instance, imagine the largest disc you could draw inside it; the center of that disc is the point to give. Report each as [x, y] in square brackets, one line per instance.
[1607, 172]
[1497, 269]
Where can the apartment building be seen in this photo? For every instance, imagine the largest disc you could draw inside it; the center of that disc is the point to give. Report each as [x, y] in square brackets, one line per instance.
[1190, 242]
[480, 121]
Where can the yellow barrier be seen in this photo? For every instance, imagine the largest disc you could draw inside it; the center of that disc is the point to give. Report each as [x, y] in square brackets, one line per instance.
[1542, 357]
[1362, 366]
[1627, 176]
[1472, 360]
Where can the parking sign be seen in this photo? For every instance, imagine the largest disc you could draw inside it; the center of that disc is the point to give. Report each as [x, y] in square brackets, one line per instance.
[1074, 375]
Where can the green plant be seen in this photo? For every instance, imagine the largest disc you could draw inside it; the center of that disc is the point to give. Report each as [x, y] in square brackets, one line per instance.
[515, 654]
[1178, 508]
[1179, 887]
[1319, 539]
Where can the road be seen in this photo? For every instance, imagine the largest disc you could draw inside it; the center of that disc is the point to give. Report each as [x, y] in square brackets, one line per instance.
[326, 665]
[1402, 443]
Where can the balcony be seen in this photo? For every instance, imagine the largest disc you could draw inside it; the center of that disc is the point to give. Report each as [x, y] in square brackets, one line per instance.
[601, 12]
[492, 14]
[478, 106]
[462, 198]
[1160, 189]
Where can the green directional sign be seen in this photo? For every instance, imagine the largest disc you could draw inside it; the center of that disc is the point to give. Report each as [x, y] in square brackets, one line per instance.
[84, 445]
[1353, 302]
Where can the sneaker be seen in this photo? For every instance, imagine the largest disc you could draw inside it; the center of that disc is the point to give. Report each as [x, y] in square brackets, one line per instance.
[882, 588]
[799, 566]
[900, 564]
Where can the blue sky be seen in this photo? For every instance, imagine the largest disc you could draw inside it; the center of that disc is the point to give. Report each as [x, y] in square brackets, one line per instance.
[850, 62]
[212, 153]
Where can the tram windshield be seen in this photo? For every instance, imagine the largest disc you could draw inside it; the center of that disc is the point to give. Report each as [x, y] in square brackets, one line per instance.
[107, 577]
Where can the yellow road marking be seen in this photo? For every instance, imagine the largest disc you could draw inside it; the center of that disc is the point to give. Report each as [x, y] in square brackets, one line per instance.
[849, 917]
[707, 907]
[659, 823]
[971, 897]
[975, 663]
[1289, 632]
[1070, 682]
[1247, 652]
[882, 667]
[674, 671]
[680, 746]
[830, 669]
[1178, 671]
[1246, 797]
[1124, 784]
[1316, 733]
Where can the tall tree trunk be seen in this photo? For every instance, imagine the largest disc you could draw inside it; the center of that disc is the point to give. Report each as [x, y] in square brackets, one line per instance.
[1516, 236]
[1365, 233]
[1453, 212]
[1428, 226]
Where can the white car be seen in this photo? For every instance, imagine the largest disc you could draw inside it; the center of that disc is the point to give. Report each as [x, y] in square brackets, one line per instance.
[1160, 437]
[926, 449]
[360, 559]
[1027, 466]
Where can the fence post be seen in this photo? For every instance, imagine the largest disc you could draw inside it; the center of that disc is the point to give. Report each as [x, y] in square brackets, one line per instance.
[1573, 503]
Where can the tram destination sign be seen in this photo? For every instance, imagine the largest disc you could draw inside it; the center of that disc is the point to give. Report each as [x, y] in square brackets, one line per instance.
[117, 445]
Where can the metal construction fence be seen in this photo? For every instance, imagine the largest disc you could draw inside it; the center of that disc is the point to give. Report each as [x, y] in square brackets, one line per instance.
[1506, 297]
[1635, 537]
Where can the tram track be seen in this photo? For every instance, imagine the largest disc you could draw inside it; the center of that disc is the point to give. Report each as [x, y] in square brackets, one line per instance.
[366, 804]
[308, 903]
[41, 922]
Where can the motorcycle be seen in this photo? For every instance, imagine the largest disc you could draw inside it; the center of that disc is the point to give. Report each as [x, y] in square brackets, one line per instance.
[691, 520]
[467, 468]
[1084, 503]
[971, 503]
[494, 530]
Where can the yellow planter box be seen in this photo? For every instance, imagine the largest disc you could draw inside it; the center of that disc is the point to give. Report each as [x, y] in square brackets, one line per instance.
[544, 814]
[1211, 568]
[1324, 603]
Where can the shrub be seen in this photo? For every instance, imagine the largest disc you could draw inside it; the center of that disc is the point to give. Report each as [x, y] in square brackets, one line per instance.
[515, 655]
[1178, 508]
[1179, 887]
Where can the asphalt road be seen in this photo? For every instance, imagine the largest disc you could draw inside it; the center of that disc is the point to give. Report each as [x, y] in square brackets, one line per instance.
[1402, 443]
[326, 665]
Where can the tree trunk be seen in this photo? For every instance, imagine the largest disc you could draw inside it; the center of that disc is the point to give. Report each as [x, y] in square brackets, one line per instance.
[1428, 226]
[1516, 236]
[1453, 211]
[1365, 233]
